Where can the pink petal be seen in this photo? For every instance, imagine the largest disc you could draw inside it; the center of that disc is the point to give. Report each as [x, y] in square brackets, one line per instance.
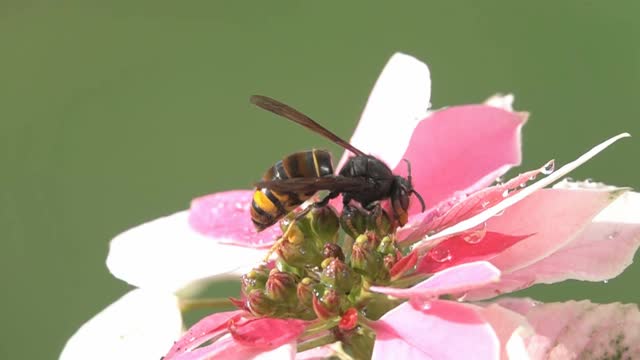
[440, 330]
[203, 331]
[458, 249]
[518, 196]
[580, 248]
[398, 100]
[168, 255]
[461, 208]
[581, 329]
[510, 327]
[226, 348]
[554, 216]
[267, 333]
[452, 280]
[453, 149]
[225, 217]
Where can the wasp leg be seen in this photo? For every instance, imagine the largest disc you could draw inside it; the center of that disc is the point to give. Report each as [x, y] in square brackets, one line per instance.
[374, 206]
[325, 201]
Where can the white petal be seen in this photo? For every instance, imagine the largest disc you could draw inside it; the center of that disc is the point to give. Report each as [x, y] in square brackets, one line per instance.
[500, 207]
[166, 254]
[398, 101]
[504, 102]
[140, 325]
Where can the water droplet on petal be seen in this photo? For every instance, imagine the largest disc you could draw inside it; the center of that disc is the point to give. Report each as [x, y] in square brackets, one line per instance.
[605, 281]
[523, 185]
[440, 254]
[426, 305]
[505, 193]
[612, 236]
[485, 204]
[548, 167]
[499, 180]
[475, 235]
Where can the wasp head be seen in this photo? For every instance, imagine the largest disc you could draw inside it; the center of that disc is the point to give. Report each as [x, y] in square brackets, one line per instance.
[400, 194]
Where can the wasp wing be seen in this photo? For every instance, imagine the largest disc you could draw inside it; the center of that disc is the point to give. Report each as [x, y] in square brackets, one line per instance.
[296, 116]
[307, 185]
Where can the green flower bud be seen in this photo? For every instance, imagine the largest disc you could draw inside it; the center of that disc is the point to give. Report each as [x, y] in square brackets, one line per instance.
[281, 287]
[324, 224]
[353, 221]
[299, 251]
[332, 250]
[338, 275]
[328, 305]
[255, 279]
[305, 290]
[386, 246]
[364, 258]
[260, 304]
[379, 221]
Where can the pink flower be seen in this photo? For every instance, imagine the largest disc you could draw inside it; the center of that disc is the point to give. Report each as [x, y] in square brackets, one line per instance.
[474, 241]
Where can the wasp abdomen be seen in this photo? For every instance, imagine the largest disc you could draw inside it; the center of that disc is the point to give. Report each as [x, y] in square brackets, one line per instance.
[269, 206]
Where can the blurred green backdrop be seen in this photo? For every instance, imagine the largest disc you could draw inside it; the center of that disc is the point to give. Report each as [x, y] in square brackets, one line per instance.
[114, 113]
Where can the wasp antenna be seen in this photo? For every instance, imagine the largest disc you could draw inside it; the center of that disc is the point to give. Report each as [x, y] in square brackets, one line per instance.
[419, 198]
[408, 170]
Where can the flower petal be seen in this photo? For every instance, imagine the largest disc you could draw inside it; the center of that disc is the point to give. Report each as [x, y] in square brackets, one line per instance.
[399, 99]
[142, 324]
[571, 242]
[581, 329]
[461, 207]
[167, 254]
[267, 333]
[461, 249]
[453, 280]
[202, 331]
[226, 218]
[511, 328]
[226, 348]
[509, 201]
[456, 148]
[440, 330]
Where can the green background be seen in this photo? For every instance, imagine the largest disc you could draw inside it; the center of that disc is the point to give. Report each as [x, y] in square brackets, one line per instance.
[114, 113]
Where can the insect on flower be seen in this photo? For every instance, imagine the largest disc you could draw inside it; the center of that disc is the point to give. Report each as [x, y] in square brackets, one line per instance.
[294, 179]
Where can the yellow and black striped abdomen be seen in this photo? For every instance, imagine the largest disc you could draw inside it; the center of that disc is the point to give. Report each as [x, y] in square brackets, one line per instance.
[269, 206]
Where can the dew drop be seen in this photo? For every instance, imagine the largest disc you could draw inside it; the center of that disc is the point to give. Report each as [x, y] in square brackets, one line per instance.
[426, 305]
[523, 185]
[485, 204]
[605, 281]
[499, 180]
[505, 193]
[475, 235]
[548, 167]
[612, 236]
[440, 254]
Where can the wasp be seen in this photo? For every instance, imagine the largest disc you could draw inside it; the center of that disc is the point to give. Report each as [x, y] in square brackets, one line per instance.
[294, 179]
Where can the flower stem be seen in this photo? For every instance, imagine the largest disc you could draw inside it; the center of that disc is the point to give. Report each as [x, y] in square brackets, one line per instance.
[207, 303]
[320, 327]
[409, 280]
[326, 339]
